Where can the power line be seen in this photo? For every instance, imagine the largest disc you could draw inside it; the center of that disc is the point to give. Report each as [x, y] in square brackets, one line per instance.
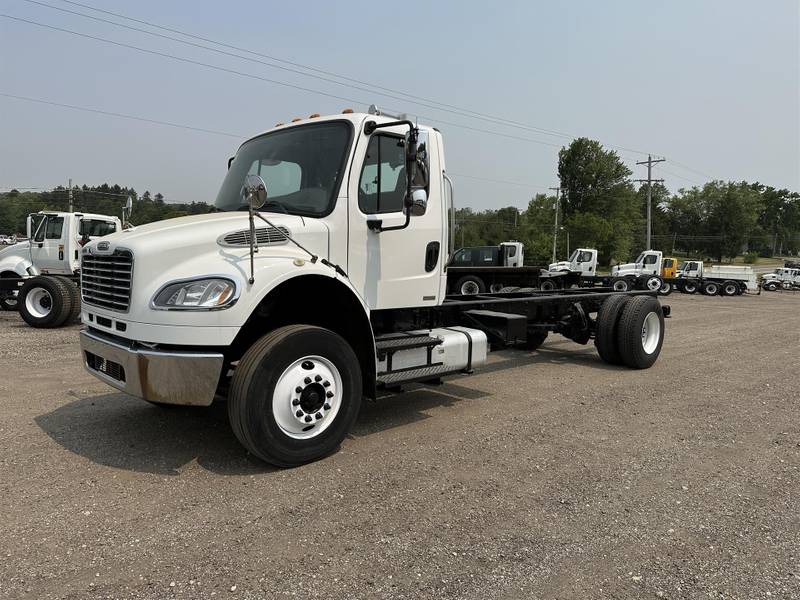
[503, 181]
[682, 166]
[264, 79]
[119, 115]
[419, 100]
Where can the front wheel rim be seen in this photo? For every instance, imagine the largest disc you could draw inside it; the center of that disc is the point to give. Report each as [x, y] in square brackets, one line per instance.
[651, 332]
[307, 397]
[39, 302]
[469, 288]
[653, 284]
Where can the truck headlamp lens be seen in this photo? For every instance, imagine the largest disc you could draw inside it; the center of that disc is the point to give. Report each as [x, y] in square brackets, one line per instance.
[208, 293]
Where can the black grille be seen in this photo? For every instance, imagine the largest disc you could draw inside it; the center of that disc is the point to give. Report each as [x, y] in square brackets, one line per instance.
[264, 236]
[106, 367]
[106, 279]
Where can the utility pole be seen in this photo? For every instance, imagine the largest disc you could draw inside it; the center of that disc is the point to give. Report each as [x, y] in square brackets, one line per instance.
[650, 162]
[69, 187]
[557, 190]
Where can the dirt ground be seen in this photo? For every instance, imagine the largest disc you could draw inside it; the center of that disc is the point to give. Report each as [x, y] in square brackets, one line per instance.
[546, 475]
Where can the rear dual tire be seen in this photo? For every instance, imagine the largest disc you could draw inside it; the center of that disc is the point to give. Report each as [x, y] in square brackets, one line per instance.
[47, 302]
[630, 331]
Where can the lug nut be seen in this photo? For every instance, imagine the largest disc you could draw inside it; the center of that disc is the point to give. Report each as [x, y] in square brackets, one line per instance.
[326, 384]
[307, 380]
[308, 418]
[298, 390]
[299, 413]
[329, 394]
[327, 406]
[295, 402]
[318, 415]
[318, 378]
[307, 365]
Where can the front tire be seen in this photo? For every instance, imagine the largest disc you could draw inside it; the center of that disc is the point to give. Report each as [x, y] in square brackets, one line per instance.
[665, 289]
[547, 285]
[295, 395]
[620, 285]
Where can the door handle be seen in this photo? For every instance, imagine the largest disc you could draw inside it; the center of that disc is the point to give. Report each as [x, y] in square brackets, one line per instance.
[40, 244]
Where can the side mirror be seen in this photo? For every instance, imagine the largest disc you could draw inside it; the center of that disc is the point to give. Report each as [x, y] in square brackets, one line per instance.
[254, 191]
[417, 161]
[419, 202]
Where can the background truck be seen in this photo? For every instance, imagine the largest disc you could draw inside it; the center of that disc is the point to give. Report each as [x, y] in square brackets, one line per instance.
[648, 271]
[495, 269]
[781, 278]
[726, 280]
[40, 277]
[296, 304]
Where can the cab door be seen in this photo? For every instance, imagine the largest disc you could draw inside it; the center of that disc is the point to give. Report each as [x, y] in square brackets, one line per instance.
[400, 268]
[47, 245]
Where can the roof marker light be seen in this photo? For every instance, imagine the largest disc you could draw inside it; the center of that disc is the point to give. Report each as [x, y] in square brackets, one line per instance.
[347, 111]
[296, 119]
[314, 116]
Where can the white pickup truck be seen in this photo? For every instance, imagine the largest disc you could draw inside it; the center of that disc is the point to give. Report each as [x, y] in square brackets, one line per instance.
[39, 277]
[296, 304]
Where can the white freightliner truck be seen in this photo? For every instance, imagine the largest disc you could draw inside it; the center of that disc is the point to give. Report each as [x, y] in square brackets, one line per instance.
[296, 304]
[39, 277]
[786, 278]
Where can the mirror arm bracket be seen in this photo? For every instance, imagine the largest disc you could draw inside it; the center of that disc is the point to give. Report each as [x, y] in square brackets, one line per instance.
[371, 126]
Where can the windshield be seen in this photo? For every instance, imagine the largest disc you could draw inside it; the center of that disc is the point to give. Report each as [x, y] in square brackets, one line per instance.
[640, 258]
[573, 256]
[302, 167]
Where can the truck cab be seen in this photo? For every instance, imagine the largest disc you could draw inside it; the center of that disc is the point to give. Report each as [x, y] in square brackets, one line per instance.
[506, 254]
[54, 243]
[690, 269]
[582, 260]
[647, 263]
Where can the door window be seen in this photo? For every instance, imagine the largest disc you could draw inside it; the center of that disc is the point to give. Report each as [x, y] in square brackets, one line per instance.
[650, 259]
[382, 188]
[54, 228]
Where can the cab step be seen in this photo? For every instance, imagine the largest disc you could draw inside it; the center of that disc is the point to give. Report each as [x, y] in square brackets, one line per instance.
[394, 343]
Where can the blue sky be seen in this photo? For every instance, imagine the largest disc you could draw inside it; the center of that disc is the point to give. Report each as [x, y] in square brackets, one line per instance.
[713, 85]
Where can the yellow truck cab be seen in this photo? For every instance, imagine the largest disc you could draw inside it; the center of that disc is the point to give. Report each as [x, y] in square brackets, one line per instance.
[669, 267]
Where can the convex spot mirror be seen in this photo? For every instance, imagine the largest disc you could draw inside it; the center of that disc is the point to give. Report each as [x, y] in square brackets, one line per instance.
[254, 191]
[419, 202]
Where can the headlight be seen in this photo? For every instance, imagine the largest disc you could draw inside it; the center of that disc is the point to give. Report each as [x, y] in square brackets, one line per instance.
[197, 294]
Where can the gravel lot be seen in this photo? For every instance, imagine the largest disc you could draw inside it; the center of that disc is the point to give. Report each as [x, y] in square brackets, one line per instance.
[548, 475]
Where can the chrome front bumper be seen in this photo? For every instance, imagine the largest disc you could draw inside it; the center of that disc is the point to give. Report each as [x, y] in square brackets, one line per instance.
[169, 377]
